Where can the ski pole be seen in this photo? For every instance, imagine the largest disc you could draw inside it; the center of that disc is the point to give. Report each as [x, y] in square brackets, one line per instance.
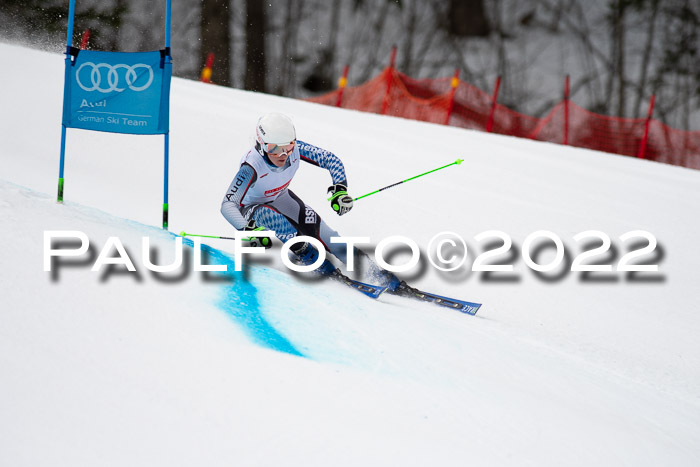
[184, 234]
[457, 162]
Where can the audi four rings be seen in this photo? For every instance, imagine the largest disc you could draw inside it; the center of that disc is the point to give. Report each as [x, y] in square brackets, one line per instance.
[113, 77]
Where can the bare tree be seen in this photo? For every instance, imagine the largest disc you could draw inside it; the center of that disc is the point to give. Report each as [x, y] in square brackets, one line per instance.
[679, 72]
[323, 72]
[288, 44]
[646, 57]
[468, 18]
[216, 38]
[256, 68]
[409, 36]
[616, 18]
[377, 22]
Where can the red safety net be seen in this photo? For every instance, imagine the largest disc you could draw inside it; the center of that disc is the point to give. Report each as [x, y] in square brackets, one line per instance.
[393, 93]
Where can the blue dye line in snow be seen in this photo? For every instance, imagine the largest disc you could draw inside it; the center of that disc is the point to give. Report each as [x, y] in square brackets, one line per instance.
[241, 303]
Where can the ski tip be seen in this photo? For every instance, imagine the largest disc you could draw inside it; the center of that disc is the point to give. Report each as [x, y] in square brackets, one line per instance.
[470, 308]
[376, 292]
[459, 161]
[183, 234]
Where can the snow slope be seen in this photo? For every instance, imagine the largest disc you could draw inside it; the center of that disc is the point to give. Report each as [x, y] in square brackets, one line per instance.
[263, 368]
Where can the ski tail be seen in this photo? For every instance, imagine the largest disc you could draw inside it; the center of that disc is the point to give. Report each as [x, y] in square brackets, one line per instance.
[372, 291]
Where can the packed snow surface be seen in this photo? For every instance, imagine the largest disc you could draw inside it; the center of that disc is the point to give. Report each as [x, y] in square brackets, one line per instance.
[262, 367]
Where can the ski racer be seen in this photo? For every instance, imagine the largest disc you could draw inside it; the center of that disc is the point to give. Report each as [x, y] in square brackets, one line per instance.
[259, 197]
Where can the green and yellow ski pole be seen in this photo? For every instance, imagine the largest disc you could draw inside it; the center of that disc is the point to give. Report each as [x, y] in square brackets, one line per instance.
[244, 239]
[457, 162]
[184, 234]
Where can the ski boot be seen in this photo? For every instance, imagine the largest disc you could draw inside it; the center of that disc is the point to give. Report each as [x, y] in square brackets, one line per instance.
[307, 254]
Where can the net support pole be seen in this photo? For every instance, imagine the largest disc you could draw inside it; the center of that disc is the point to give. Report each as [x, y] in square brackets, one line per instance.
[645, 137]
[494, 100]
[566, 110]
[389, 80]
[69, 44]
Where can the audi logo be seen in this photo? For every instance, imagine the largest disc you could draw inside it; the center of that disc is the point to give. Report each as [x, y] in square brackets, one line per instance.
[113, 77]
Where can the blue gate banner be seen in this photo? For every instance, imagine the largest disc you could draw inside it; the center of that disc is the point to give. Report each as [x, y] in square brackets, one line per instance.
[118, 92]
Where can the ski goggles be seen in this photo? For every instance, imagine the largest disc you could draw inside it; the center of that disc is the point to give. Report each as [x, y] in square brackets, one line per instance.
[279, 149]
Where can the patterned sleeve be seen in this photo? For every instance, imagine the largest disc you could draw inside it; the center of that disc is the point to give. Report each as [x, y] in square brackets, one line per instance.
[232, 202]
[324, 159]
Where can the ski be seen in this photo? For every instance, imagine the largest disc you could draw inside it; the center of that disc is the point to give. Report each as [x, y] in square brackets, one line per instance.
[372, 291]
[405, 290]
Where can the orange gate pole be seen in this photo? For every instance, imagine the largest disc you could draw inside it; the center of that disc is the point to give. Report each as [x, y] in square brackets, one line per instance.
[206, 71]
[341, 85]
[454, 83]
[84, 40]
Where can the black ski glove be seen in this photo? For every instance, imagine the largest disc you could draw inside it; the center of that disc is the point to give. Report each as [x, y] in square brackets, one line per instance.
[257, 241]
[341, 202]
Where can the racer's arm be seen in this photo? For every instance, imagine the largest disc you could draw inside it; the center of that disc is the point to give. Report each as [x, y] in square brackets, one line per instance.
[324, 159]
[341, 202]
[233, 201]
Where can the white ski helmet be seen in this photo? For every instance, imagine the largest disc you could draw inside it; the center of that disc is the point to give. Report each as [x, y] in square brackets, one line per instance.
[272, 130]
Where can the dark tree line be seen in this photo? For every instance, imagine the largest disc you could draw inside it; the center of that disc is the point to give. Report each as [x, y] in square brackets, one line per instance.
[39, 17]
[618, 52]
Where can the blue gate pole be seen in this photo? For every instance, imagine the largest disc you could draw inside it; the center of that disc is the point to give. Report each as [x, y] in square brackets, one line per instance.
[59, 198]
[166, 149]
[167, 24]
[69, 44]
[165, 182]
